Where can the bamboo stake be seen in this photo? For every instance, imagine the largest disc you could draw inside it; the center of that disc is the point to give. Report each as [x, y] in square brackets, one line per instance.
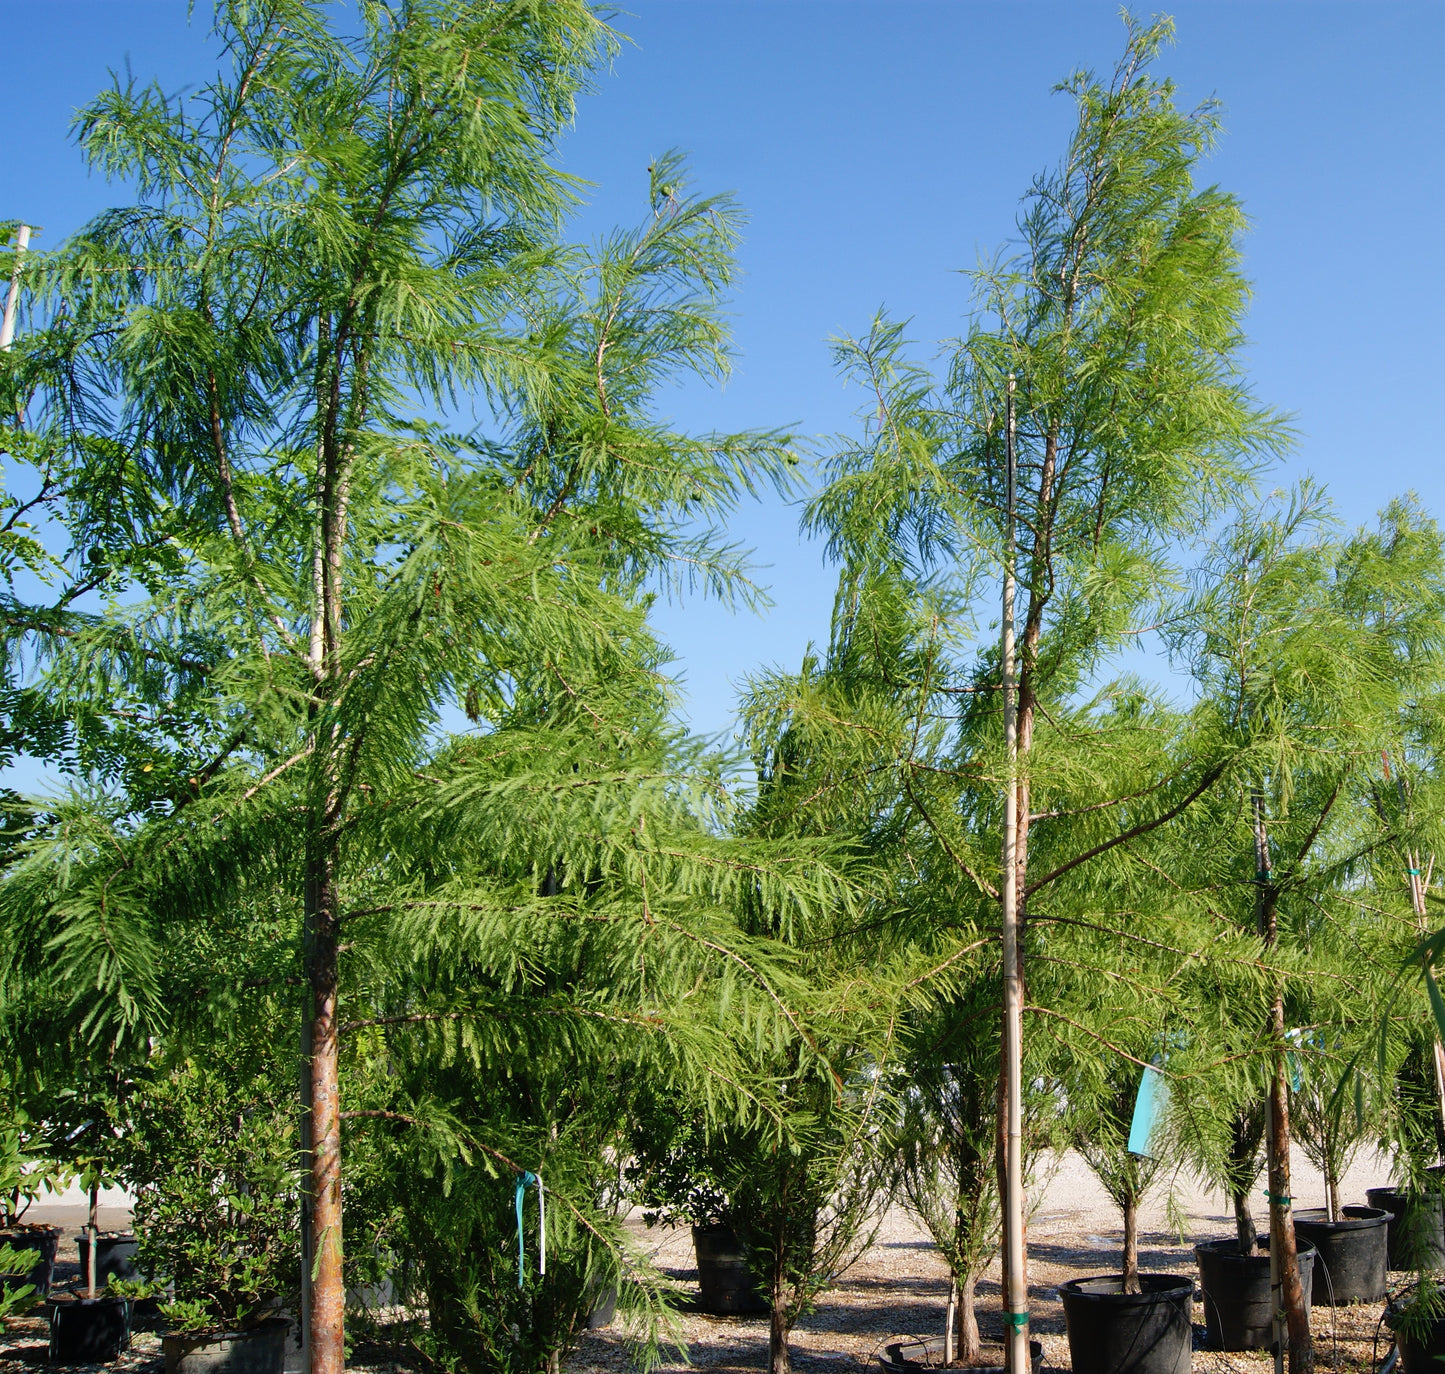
[1015, 1285]
[12, 299]
[94, 1229]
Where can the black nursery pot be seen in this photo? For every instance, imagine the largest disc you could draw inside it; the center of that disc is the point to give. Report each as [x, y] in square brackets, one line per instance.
[44, 1239]
[1422, 1346]
[905, 1357]
[603, 1309]
[727, 1284]
[115, 1253]
[1354, 1261]
[1416, 1230]
[1238, 1314]
[259, 1349]
[88, 1330]
[1114, 1332]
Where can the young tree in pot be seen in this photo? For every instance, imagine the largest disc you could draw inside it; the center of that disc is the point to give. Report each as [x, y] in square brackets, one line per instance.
[1105, 364]
[1306, 647]
[1106, 1136]
[345, 228]
[948, 1147]
[1129, 1323]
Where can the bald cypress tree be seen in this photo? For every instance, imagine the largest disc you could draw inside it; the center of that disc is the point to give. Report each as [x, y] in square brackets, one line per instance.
[313, 566]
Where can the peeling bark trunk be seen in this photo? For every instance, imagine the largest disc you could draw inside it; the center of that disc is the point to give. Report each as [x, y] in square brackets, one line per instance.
[1244, 1228]
[970, 1343]
[1281, 1220]
[326, 1328]
[779, 1359]
[1131, 1243]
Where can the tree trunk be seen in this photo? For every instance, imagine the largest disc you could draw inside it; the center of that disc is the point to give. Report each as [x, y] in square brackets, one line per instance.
[779, 1360]
[1131, 1242]
[1284, 1267]
[1281, 1219]
[1010, 1154]
[1244, 1227]
[93, 1227]
[326, 1328]
[970, 1343]
[1243, 1143]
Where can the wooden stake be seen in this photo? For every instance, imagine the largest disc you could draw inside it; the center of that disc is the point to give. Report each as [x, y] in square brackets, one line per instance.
[1015, 1276]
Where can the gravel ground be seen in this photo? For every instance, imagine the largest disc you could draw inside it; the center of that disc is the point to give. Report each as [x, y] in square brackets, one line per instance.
[898, 1288]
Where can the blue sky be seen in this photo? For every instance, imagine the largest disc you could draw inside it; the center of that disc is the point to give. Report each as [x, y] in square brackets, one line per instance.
[879, 148]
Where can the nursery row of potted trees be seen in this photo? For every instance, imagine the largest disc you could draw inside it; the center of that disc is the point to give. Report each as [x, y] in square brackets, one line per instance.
[966, 894]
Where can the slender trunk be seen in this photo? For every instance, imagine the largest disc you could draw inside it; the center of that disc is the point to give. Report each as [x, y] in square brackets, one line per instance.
[1131, 1242]
[1281, 1220]
[1010, 1162]
[1243, 1144]
[94, 1229]
[326, 1326]
[1244, 1227]
[1283, 1262]
[970, 1343]
[307, 1255]
[779, 1360]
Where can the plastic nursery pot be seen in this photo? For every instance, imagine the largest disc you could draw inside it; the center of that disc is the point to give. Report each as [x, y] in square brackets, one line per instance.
[906, 1357]
[1353, 1262]
[1417, 1229]
[88, 1330]
[727, 1284]
[259, 1349]
[1114, 1332]
[43, 1239]
[1421, 1339]
[603, 1309]
[1238, 1314]
[115, 1253]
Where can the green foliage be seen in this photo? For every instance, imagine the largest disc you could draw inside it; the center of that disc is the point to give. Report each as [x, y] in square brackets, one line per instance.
[210, 1152]
[16, 1299]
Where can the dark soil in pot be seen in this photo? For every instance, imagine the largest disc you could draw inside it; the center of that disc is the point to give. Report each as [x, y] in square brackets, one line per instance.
[43, 1239]
[260, 1349]
[1114, 1332]
[1416, 1229]
[88, 1330]
[1353, 1263]
[115, 1253]
[907, 1357]
[727, 1283]
[1238, 1314]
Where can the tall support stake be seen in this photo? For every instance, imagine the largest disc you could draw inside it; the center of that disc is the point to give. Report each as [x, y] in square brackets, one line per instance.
[1015, 1275]
[12, 299]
